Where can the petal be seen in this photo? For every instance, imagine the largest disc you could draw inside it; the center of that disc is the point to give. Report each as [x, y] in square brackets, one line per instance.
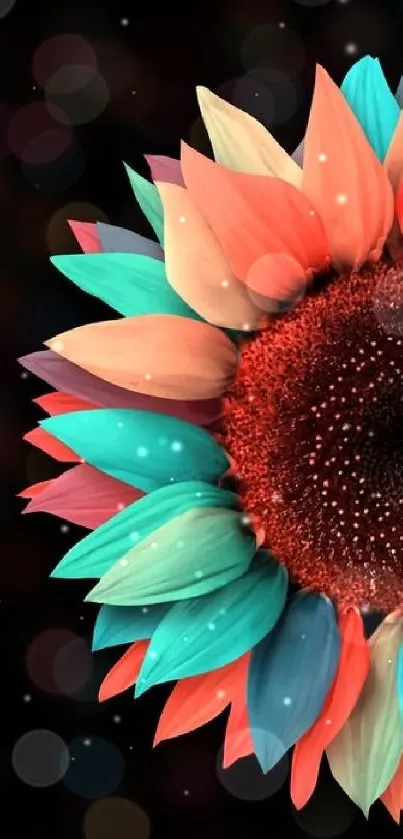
[238, 739]
[207, 284]
[159, 355]
[60, 373]
[298, 155]
[148, 201]
[240, 142]
[44, 441]
[394, 157]
[392, 798]
[372, 102]
[365, 754]
[211, 631]
[117, 625]
[34, 490]
[165, 169]
[196, 701]
[141, 449]
[340, 701]
[399, 205]
[252, 215]
[118, 240]
[62, 403]
[83, 496]
[124, 673]
[98, 552]
[86, 235]
[399, 92]
[290, 674]
[277, 277]
[130, 283]
[196, 553]
[344, 179]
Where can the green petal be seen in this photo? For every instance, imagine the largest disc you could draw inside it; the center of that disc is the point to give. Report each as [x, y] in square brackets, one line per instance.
[97, 552]
[208, 632]
[149, 201]
[130, 283]
[364, 756]
[195, 553]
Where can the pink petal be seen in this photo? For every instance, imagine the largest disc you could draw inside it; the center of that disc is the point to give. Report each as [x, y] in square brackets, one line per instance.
[43, 440]
[62, 403]
[165, 169]
[86, 235]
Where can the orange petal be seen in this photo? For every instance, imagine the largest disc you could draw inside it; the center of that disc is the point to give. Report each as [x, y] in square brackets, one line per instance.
[393, 162]
[34, 490]
[86, 235]
[124, 673]
[197, 268]
[277, 276]
[350, 677]
[399, 205]
[253, 215]
[392, 798]
[48, 444]
[344, 179]
[159, 355]
[238, 739]
[62, 403]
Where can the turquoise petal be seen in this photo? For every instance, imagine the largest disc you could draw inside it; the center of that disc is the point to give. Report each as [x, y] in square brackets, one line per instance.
[206, 633]
[117, 625]
[196, 553]
[290, 674]
[399, 680]
[119, 240]
[97, 552]
[370, 98]
[149, 201]
[140, 448]
[130, 283]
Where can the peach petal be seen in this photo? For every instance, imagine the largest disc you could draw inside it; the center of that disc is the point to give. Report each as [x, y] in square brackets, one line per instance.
[277, 276]
[159, 355]
[393, 162]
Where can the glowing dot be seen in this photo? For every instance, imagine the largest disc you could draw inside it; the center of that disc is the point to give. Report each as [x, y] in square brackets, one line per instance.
[182, 219]
[198, 575]
[220, 694]
[351, 48]
[225, 283]
[211, 626]
[57, 345]
[322, 157]
[341, 198]
[287, 700]
[124, 21]
[124, 562]
[120, 424]
[147, 376]
[154, 544]
[153, 654]
[142, 451]
[144, 610]
[176, 446]
[134, 535]
[180, 543]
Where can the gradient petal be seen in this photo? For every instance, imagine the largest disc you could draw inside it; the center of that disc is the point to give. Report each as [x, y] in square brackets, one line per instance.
[197, 268]
[141, 449]
[118, 240]
[124, 673]
[340, 701]
[196, 553]
[290, 674]
[83, 496]
[46, 442]
[344, 179]
[392, 798]
[98, 552]
[86, 235]
[158, 355]
[62, 403]
[365, 754]
[372, 102]
[117, 625]
[240, 142]
[165, 169]
[148, 200]
[206, 633]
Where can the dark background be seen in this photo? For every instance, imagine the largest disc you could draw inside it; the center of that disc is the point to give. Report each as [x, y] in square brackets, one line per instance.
[261, 56]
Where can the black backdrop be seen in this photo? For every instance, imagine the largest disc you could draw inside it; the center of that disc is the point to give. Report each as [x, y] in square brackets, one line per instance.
[142, 101]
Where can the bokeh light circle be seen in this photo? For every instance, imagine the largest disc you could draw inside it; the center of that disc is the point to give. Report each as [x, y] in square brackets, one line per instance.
[116, 817]
[329, 813]
[76, 106]
[96, 767]
[62, 51]
[59, 662]
[245, 780]
[55, 176]
[40, 758]
[36, 136]
[72, 666]
[281, 45]
[6, 7]
[58, 235]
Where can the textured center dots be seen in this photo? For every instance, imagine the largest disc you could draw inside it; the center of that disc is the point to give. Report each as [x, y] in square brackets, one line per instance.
[315, 425]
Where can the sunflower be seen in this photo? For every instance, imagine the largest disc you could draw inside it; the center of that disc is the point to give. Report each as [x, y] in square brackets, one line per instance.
[238, 438]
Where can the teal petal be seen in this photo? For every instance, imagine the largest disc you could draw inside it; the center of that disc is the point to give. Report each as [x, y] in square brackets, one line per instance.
[399, 680]
[117, 625]
[149, 201]
[370, 98]
[130, 283]
[206, 633]
[94, 555]
[140, 448]
[196, 553]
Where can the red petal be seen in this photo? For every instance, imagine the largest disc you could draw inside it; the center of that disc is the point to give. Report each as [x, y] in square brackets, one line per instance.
[238, 740]
[86, 235]
[84, 496]
[341, 699]
[392, 798]
[34, 490]
[124, 673]
[399, 205]
[48, 444]
[62, 403]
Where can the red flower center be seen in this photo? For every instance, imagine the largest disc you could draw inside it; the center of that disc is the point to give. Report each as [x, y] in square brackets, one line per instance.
[314, 423]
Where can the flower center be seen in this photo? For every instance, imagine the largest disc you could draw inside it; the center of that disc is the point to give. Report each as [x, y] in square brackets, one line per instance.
[314, 423]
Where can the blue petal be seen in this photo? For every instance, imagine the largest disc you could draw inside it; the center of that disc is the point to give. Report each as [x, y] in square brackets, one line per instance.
[140, 448]
[370, 98]
[130, 283]
[97, 552]
[119, 240]
[290, 674]
[117, 625]
[200, 635]
[149, 201]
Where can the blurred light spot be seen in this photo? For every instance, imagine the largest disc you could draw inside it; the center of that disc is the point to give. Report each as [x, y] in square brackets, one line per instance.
[245, 780]
[35, 136]
[283, 46]
[97, 769]
[59, 52]
[69, 79]
[328, 813]
[72, 666]
[125, 21]
[58, 175]
[116, 64]
[59, 236]
[40, 758]
[47, 656]
[77, 107]
[5, 7]
[351, 48]
[114, 817]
